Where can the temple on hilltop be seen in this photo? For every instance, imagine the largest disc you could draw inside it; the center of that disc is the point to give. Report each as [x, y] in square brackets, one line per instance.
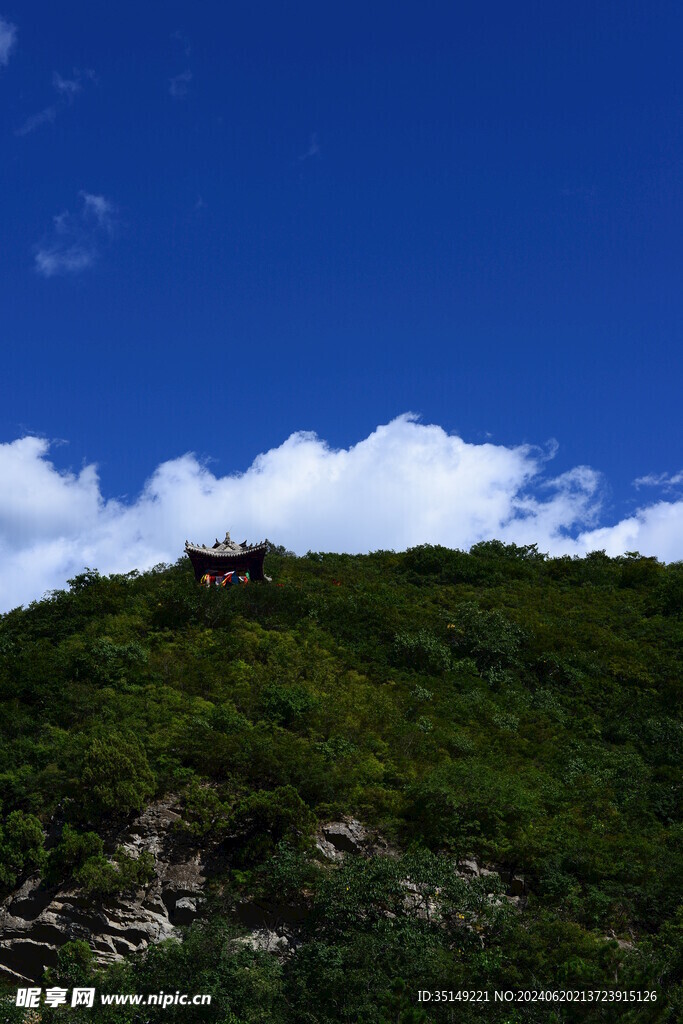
[226, 557]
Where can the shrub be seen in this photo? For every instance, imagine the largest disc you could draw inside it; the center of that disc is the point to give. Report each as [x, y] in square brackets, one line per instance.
[75, 962]
[102, 877]
[421, 652]
[265, 818]
[116, 776]
[21, 847]
[71, 853]
[486, 636]
[286, 705]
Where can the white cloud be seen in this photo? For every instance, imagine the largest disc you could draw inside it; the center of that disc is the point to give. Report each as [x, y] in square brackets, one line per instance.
[67, 89]
[666, 480]
[405, 484]
[654, 530]
[99, 208]
[179, 85]
[46, 116]
[53, 260]
[76, 240]
[8, 40]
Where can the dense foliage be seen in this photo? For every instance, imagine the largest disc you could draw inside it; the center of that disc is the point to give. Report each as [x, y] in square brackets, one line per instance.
[497, 703]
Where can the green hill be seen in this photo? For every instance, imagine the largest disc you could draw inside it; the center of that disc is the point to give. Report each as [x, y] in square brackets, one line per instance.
[499, 706]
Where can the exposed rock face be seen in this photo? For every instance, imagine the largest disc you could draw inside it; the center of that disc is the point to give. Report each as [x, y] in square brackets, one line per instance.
[35, 922]
[266, 941]
[469, 868]
[516, 889]
[272, 927]
[337, 838]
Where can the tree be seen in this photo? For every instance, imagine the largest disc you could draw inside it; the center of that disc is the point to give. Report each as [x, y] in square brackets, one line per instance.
[21, 847]
[116, 777]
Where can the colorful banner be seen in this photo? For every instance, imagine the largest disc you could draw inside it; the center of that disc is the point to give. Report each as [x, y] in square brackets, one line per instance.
[224, 580]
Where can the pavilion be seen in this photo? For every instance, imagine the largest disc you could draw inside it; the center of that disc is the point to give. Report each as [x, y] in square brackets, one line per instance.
[227, 556]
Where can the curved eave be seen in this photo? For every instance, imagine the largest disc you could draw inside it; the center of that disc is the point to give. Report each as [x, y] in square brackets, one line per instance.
[191, 549]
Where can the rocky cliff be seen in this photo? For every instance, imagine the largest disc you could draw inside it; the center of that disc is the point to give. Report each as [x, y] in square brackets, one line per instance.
[35, 921]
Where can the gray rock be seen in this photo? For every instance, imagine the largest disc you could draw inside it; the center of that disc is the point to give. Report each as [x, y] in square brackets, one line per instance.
[419, 903]
[338, 838]
[325, 847]
[468, 867]
[184, 911]
[35, 922]
[265, 940]
[623, 944]
[347, 836]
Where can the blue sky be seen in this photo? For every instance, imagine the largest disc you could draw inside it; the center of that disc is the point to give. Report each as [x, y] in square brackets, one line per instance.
[222, 224]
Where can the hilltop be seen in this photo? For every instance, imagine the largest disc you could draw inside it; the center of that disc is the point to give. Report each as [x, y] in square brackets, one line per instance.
[498, 732]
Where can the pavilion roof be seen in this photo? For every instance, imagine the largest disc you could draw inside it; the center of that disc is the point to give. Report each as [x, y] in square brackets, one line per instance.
[225, 547]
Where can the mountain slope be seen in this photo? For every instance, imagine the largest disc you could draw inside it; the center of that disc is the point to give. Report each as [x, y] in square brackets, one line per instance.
[495, 705]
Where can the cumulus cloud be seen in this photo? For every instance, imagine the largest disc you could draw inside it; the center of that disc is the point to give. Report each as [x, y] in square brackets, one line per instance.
[76, 240]
[654, 530]
[406, 484]
[8, 40]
